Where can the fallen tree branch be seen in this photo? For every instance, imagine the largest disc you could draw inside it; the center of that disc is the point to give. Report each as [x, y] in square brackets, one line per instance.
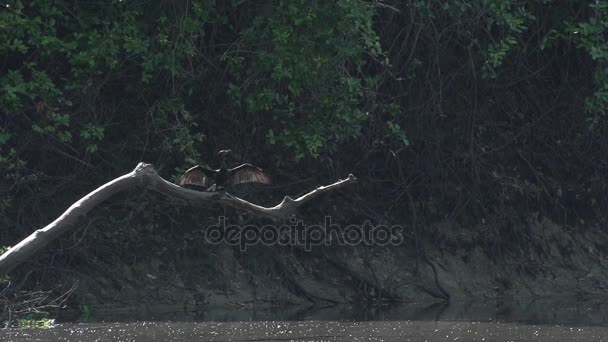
[144, 175]
[15, 303]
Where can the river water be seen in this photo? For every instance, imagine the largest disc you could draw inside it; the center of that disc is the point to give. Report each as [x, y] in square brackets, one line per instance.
[554, 320]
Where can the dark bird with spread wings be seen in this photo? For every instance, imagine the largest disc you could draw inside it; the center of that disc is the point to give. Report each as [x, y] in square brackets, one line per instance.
[205, 179]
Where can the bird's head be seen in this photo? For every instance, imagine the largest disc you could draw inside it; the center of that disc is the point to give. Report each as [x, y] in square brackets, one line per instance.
[223, 153]
[221, 156]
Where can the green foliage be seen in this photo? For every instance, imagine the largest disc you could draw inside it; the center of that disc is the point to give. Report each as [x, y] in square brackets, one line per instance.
[499, 27]
[396, 133]
[300, 66]
[592, 36]
[92, 135]
[35, 321]
[87, 312]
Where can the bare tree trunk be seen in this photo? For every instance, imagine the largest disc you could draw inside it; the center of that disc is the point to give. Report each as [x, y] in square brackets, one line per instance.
[144, 175]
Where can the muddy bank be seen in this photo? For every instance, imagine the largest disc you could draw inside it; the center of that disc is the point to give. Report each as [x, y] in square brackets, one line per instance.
[547, 260]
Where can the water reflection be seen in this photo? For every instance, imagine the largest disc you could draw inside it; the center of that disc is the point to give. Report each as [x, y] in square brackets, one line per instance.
[571, 311]
[555, 320]
[308, 331]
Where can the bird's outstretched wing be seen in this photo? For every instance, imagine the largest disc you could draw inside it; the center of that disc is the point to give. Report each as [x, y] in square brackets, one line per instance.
[247, 173]
[197, 178]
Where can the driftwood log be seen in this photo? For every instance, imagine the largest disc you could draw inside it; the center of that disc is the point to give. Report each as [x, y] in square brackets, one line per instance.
[144, 175]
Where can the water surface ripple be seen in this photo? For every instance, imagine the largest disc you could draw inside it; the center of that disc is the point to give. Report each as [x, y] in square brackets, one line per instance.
[317, 331]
